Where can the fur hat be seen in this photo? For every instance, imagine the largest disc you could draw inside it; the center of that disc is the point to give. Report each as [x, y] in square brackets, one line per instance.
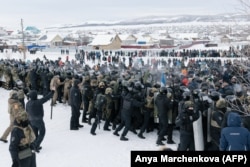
[112, 83]
[221, 103]
[101, 85]
[153, 90]
[93, 82]
[108, 90]
[21, 116]
[188, 104]
[14, 94]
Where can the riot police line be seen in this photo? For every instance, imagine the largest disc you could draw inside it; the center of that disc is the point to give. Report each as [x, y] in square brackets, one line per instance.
[197, 96]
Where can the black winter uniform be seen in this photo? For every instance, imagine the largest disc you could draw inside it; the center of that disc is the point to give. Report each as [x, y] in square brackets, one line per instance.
[33, 79]
[163, 105]
[45, 79]
[185, 121]
[216, 120]
[34, 108]
[86, 97]
[75, 103]
[128, 103]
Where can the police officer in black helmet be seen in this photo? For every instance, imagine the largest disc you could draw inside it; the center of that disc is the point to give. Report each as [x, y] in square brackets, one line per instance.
[128, 103]
[163, 105]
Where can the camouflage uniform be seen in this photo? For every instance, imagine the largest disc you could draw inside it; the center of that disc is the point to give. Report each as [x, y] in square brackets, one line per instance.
[55, 82]
[14, 106]
[7, 78]
[1, 73]
[14, 73]
[22, 136]
[67, 86]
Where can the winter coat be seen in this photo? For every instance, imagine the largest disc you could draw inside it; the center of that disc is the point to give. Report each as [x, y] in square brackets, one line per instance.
[14, 106]
[75, 96]
[234, 137]
[185, 120]
[55, 82]
[163, 105]
[21, 138]
[128, 104]
[87, 92]
[34, 106]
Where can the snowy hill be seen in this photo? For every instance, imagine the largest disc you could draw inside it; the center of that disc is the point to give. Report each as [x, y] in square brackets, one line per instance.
[149, 20]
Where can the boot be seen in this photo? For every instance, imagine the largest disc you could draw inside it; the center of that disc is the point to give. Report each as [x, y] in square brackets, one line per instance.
[80, 126]
[170, 141]
[141, 136]
[113, 126]
[123, 138]
[93, 128]
[106, 126]
[134, 131]
[163, 139]
[170, 134]
[84, 119]
[93, 133]
[3, 140]
[89, 121]
[116, 133]
[159, 142]
[106, 129]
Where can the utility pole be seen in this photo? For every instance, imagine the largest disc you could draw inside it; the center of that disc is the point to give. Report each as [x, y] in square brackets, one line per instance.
[23, 44]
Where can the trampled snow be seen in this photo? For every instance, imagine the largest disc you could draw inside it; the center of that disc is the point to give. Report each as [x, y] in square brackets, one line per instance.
[64, 148]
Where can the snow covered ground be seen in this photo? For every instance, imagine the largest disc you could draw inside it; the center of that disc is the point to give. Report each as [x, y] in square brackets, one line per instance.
[65, 148]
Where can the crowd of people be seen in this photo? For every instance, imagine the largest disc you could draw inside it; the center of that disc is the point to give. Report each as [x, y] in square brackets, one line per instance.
[143, 96]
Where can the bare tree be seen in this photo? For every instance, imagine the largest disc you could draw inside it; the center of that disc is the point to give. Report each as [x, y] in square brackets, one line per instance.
[244, 6]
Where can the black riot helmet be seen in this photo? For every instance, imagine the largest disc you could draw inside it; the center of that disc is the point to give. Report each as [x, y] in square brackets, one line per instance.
[186, 95]
[163, 90]
[138, 86]
[196, 93]
[215, 96]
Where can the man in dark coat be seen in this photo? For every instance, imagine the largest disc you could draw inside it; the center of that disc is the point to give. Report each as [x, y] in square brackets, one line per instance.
[75, 103]
[33, 77]
[185, 120]
[163, 105]
[34, 108]
[87, 94]
[128, 104]
[99, 105]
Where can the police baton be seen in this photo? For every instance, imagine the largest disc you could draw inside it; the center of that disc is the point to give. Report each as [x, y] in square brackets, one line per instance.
[51, 110]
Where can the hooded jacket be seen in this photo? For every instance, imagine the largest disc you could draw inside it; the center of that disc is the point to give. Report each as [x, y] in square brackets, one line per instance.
[34, 106]
[234, 137]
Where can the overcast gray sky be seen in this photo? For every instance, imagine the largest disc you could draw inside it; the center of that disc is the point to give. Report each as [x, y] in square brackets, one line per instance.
[42, 13]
